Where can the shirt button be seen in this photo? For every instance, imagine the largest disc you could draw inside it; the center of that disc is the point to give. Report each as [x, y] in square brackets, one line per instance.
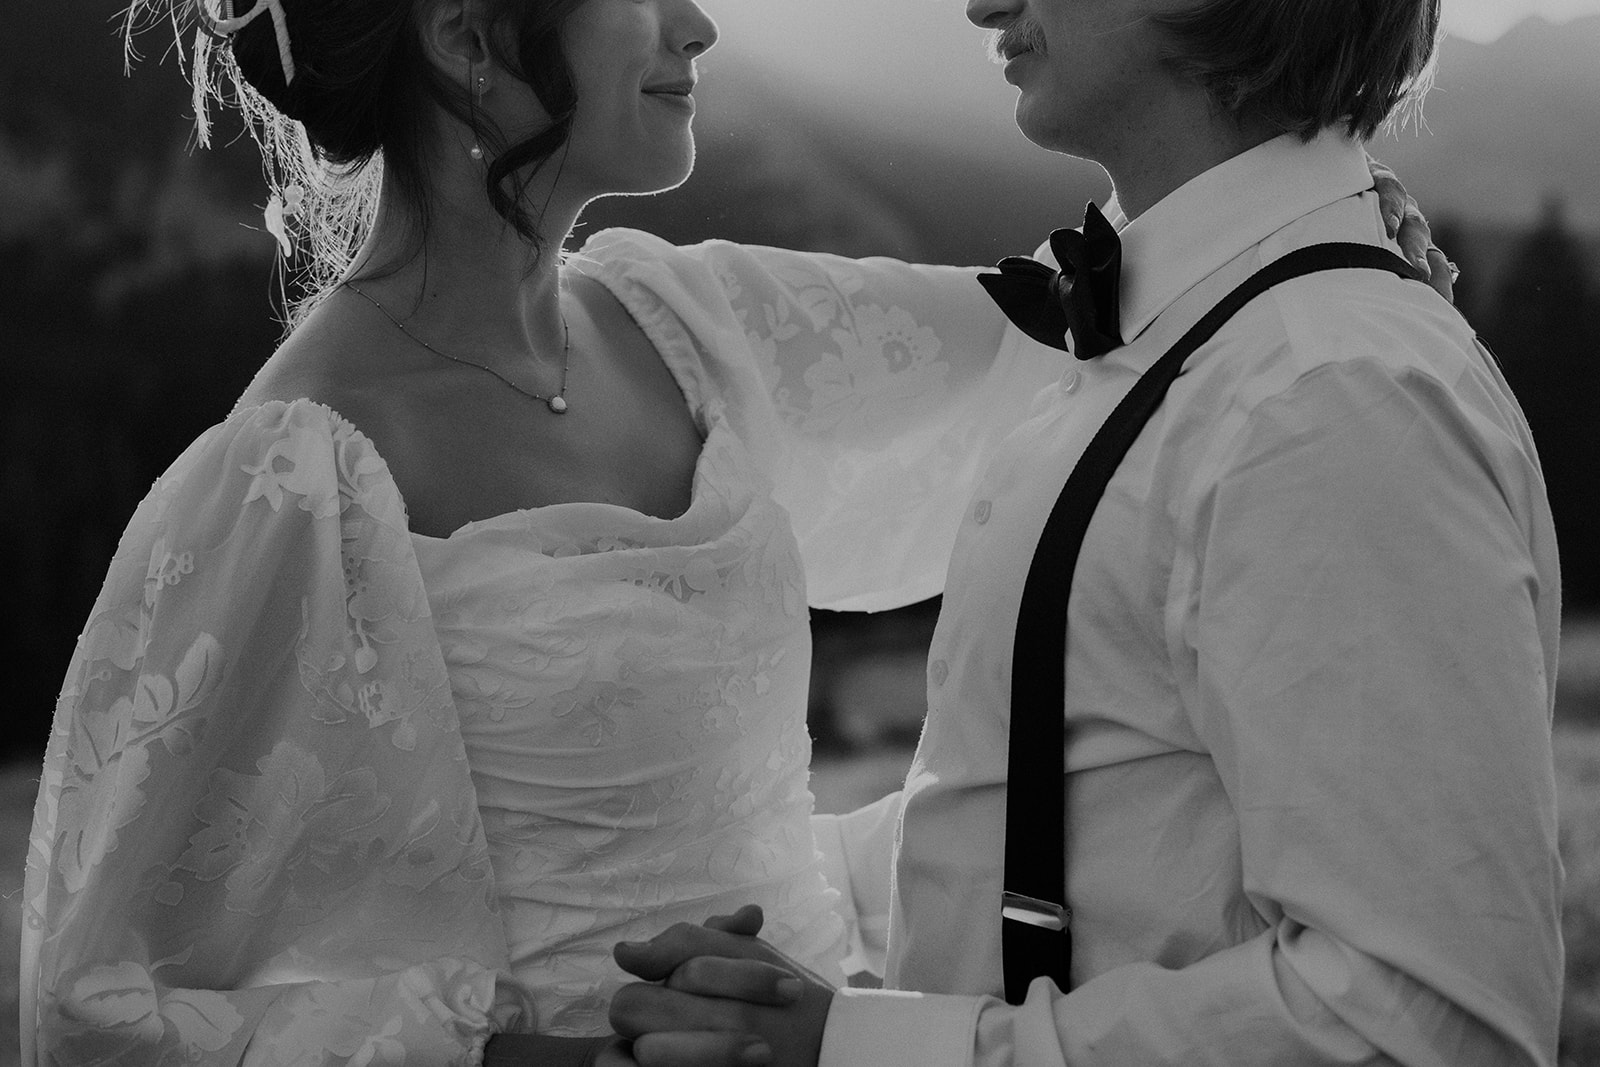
[1071, 380]
[938, 671]
[980, 514]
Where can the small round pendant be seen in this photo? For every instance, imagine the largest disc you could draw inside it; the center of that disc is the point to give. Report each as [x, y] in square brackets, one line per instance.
[558, 404]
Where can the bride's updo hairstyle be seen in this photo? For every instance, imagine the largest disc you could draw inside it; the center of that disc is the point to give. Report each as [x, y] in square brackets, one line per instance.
[1304, 66]
[359, 104]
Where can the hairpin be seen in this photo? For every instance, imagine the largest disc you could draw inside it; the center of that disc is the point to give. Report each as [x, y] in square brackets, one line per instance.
[229, 24]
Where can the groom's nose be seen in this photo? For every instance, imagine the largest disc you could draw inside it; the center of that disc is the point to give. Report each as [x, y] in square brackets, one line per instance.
[993, 14]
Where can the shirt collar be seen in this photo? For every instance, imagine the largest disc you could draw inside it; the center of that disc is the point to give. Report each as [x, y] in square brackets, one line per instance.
[1212, 219]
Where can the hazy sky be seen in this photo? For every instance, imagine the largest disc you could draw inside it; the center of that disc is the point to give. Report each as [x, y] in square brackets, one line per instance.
[1484, 20]
[1478, 20]
[887, 48]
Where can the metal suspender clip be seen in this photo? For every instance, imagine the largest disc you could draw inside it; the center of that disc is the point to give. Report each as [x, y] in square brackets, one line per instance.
[1034, 912]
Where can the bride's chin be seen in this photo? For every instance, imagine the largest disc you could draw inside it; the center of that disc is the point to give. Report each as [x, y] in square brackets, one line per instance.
[657, 179]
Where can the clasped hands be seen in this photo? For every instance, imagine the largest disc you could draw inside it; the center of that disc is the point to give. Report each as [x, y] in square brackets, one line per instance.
[716, 996]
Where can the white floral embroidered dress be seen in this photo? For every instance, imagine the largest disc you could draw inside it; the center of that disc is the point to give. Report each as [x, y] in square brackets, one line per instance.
[323, 791]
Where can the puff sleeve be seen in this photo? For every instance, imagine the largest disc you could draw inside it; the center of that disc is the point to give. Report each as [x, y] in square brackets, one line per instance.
[872, 391]
[256, 840]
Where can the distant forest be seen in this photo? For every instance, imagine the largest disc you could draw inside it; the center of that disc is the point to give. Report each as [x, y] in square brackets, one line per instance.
[135, 309]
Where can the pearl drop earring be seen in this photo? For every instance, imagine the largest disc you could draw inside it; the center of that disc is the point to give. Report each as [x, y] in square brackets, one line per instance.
[476, 151]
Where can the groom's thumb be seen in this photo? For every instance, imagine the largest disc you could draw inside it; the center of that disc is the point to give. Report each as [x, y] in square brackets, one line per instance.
[747, 921]
[657, 958]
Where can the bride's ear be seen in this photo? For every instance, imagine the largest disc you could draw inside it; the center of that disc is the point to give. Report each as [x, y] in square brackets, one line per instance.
[455, 41]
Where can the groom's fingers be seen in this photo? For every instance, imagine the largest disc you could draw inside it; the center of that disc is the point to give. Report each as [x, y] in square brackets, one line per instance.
[747, 920]
[639, 1008]
[700, 1049]
[753, 981]
[653, 960]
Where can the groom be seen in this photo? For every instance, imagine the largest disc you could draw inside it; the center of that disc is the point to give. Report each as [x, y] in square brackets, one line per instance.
[1310, 816]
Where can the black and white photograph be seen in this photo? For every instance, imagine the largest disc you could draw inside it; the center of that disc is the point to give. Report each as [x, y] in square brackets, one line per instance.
[800, 533]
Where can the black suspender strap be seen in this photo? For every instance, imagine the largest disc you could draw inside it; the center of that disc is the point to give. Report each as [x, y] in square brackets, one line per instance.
[1036, 938]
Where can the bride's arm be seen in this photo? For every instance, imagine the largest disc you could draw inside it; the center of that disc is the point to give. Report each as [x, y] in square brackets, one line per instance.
[870, 391]
[256, 833]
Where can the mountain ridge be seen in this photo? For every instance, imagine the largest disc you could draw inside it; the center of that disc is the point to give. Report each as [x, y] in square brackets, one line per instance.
[1508, 126]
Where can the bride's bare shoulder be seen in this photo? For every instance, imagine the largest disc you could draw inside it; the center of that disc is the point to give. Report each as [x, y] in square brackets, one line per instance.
[337, 360]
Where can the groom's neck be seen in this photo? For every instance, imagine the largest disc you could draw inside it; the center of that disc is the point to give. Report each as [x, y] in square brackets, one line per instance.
[1181, 138]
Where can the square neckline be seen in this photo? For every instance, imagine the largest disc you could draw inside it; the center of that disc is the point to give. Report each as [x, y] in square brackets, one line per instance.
[669, 341]
[667, 338]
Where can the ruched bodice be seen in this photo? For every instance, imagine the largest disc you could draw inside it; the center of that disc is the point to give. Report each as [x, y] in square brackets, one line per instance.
[632, 699]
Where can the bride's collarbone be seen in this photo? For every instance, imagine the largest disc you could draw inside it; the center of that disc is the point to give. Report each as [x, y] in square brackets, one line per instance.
[464, 452]
[463, 447]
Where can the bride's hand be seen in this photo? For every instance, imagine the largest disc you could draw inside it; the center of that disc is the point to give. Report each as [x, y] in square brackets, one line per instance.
[1404, 221]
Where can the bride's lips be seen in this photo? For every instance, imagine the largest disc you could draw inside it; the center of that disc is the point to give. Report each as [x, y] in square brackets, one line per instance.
[676, 94]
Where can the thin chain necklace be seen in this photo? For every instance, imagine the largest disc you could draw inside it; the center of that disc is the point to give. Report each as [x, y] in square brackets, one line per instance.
[556, 402]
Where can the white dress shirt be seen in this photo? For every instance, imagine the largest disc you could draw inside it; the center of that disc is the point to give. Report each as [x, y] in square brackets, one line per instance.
[1311, 810]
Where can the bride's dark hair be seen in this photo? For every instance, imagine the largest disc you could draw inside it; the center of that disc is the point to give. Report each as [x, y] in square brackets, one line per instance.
[359, 105]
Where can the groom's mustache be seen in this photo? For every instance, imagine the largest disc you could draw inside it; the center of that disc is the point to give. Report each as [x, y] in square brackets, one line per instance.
[1023, 35]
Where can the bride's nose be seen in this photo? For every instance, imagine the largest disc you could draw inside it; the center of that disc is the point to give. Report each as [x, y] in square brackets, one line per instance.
[690, 30]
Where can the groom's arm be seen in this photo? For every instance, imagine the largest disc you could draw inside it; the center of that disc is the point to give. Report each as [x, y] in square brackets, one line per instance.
[1374, 691]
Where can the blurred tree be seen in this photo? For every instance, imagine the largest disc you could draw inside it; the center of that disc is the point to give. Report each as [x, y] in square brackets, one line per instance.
[1452, 235]
[137, 304]
[1545, 325]
[95, 401]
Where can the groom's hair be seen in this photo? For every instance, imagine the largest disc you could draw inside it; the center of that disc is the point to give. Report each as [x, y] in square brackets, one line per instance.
[1304, 66]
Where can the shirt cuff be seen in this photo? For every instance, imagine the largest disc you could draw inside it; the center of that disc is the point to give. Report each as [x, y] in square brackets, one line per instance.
[890, 1028]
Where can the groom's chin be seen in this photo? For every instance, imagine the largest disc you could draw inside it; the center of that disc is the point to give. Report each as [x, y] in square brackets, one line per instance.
[1049, 135]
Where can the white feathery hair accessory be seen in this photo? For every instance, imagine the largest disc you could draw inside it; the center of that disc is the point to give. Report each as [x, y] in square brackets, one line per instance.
[328, 207]
[225, 23]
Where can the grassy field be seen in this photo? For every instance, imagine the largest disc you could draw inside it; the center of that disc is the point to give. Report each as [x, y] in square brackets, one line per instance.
[844, 783]
[1578, 778]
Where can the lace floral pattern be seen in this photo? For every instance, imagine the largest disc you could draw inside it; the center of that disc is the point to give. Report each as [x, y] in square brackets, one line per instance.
[876, 393]
[632, 693]
[318, 791]
[242, 794]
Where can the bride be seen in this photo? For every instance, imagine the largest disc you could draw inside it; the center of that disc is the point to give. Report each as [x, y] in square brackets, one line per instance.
[475, 639]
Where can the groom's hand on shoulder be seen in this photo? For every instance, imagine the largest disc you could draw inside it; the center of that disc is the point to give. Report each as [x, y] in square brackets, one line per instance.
[716, 986]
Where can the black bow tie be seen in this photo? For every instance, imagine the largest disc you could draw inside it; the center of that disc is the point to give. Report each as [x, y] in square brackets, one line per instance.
[1082, 297]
